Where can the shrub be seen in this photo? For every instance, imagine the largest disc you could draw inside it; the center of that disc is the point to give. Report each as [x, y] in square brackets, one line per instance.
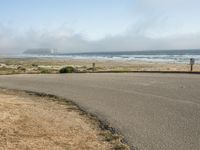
[21, 68]
[34, 65]
[67, 69]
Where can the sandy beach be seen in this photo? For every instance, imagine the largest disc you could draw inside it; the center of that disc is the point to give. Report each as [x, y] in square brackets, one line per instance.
[53, 65]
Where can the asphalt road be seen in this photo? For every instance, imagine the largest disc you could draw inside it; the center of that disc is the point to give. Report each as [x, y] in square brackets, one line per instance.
[152, 111]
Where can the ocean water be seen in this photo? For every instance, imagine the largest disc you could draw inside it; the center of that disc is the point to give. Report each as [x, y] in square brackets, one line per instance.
[169, 56]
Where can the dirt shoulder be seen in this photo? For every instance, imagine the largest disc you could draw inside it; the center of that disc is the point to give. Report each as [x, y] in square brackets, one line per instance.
[28, 121]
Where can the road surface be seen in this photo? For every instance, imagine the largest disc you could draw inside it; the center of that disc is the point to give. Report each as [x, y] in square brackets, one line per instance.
[152, 111]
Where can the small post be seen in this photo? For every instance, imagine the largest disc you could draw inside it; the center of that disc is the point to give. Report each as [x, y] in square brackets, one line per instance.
[192, 61]
[93, 67]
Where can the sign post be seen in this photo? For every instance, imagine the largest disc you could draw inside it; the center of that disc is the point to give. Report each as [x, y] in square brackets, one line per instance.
[192, 61]
[93, 67]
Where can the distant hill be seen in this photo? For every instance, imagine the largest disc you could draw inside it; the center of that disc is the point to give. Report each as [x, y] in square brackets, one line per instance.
[40, 51]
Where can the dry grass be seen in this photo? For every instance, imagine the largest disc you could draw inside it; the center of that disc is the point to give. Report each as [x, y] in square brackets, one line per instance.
[30, 121]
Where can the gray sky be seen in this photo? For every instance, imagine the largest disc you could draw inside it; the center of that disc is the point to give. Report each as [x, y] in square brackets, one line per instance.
[99, 25]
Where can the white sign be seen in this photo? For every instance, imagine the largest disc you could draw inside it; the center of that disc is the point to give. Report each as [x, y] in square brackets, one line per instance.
[192, 61]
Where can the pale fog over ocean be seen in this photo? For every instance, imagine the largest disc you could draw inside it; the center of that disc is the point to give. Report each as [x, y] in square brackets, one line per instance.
[165, 56]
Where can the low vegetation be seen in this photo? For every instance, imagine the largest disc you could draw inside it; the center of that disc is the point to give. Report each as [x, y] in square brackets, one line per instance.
[54, 65]
[40, 66]
[67, 69]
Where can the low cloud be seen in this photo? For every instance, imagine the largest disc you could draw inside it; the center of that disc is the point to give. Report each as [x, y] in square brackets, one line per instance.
[65, 40]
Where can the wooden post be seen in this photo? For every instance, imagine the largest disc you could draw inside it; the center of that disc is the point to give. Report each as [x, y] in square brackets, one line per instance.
[93, 67]
[192, 61]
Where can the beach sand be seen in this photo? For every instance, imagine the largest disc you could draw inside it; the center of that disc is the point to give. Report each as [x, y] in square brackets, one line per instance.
[53, 65]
